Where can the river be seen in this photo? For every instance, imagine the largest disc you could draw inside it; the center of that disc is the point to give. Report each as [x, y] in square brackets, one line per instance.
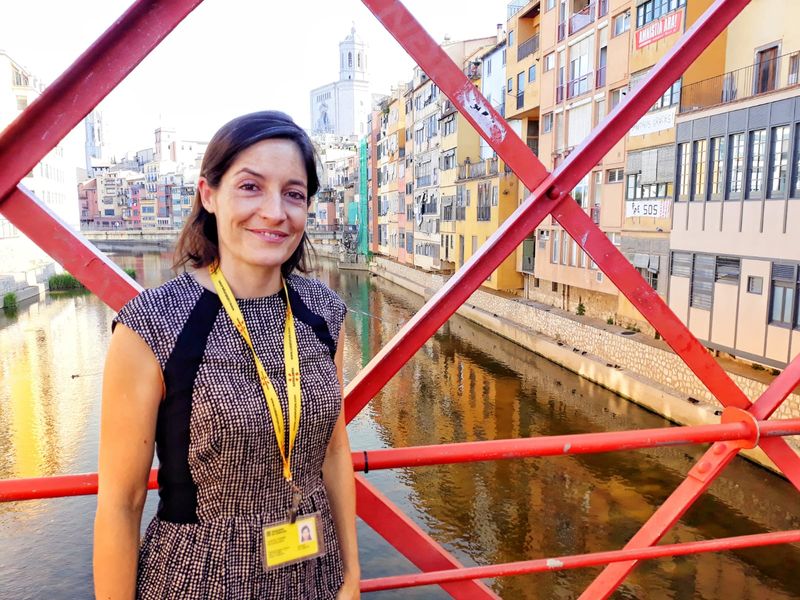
[465, 384]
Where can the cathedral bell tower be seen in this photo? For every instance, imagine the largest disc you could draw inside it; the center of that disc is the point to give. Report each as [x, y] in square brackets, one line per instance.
[352, 58]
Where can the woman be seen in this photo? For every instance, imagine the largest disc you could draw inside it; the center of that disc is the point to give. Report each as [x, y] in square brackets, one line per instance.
[204, 369]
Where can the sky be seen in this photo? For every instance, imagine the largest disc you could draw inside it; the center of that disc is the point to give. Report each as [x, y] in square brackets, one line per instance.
[228, 57]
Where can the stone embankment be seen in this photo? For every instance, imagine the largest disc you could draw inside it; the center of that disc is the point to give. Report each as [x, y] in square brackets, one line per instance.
[633, 365]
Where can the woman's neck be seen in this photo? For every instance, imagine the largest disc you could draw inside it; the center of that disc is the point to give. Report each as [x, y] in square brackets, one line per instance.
[245, 281]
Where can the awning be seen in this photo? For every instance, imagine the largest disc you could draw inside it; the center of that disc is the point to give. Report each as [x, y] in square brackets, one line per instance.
[655, 261]
[641, 261]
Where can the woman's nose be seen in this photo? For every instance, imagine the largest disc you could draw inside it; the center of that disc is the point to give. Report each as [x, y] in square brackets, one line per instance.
[271, 207]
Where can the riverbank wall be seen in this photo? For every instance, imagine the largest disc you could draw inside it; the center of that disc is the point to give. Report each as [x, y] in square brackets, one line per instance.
[633, 365]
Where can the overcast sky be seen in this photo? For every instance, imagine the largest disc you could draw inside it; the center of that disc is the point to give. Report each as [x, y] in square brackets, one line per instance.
[228, 57]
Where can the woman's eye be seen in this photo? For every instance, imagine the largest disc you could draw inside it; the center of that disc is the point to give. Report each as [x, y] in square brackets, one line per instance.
[299, 196]
[248, 187]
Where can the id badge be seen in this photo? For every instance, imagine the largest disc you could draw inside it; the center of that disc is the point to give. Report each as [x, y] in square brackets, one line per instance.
[286, 543]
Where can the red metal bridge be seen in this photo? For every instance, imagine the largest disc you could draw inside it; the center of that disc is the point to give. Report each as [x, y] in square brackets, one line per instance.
[744, 424]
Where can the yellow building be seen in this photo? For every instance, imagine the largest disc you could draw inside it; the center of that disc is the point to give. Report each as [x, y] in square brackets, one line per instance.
[391, 161]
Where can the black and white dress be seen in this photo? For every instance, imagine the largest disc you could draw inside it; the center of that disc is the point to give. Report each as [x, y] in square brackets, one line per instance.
[220, 472]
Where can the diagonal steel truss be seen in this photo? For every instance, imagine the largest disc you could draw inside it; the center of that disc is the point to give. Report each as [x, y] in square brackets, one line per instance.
[103, 66]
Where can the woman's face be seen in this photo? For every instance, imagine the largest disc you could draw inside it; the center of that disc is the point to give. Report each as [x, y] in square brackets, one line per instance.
[261, 205]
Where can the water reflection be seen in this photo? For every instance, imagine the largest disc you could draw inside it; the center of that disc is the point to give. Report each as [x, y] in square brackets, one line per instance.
[464, 384]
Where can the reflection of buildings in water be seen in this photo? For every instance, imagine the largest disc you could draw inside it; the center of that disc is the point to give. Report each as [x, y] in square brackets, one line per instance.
[46, 408]
[471, 385]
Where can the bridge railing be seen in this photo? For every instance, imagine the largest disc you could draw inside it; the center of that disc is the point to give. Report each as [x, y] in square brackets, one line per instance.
[147, 22]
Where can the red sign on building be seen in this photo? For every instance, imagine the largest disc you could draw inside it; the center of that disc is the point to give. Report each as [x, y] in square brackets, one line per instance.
[659, 29]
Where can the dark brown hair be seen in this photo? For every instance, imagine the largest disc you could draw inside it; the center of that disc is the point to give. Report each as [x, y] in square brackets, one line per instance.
[198, 244]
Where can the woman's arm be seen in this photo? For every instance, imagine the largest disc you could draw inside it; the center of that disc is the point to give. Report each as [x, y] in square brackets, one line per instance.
[337, 472]
[133, 386]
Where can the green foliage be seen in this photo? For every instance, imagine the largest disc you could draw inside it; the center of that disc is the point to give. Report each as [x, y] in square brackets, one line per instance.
[581, 309]
[131, 272]
[64, 281]
[610, 320]
[10, 300]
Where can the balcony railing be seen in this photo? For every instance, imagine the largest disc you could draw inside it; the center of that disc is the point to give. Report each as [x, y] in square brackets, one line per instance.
[582, 18]
[528, 47]
[562, 30]
[559, 94]
[520, 100]
[760, 78]
[478, 169]
[484, 213]
[579, 85]
[600, 77]
[602, 8]
[596, 214]
[515, 6]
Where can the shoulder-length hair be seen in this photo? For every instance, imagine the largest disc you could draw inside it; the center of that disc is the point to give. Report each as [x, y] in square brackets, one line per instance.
[198, 244]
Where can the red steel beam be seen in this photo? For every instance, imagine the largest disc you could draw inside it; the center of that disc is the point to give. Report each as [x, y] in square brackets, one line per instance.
[33, 488]
[83, 260]
[549, 192]
[578, 561]
[409, 539]
[84, 84]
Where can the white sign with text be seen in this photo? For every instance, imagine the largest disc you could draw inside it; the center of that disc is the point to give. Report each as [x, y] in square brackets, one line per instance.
[658, 209]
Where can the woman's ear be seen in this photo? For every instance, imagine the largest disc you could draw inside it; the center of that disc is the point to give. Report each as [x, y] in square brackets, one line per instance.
[207, 196]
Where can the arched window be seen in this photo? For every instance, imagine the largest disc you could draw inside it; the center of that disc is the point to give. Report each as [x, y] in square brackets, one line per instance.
[349, 60]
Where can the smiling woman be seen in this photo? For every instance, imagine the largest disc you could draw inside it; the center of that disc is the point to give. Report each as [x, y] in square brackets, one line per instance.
[238, 390]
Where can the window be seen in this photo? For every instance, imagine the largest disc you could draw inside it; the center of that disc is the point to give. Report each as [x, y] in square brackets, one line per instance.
[549, 62]
[504, 57]
[510, 38]
[700, 165]
[782, 293]
[488, 66]
[622, 23]
[779, 159]
[547, 124]
[549, 4]
[655, 9]
[681, 264]
[736, 178]
[755, 285]
[728, 269]
[532, 74]
[615, 97]
[755, 167]
[684, 170]
[614, 175]
[449, 125]
[717, 165]
[22, 102]
[565, 240]
[794, 68]
[510, 86]
[702, 285]
[484, 201]
[573, 257]
[555, 247]
[581, 192]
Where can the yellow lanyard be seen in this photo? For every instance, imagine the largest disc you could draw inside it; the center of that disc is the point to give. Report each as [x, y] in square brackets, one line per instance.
[291, 366]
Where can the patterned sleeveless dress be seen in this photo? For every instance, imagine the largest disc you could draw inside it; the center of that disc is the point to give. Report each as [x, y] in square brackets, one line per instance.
[220, 477]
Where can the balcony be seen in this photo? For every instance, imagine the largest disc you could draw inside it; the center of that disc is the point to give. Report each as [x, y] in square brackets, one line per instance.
[582, 18]
[760, 78]
[579, 85]
[528, 47]
[515, 6]
[520, 100]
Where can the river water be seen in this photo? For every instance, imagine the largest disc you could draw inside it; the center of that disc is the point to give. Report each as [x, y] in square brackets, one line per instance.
[464, 384]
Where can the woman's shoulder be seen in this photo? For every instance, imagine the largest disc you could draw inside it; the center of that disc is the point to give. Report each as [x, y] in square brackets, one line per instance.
[158, 314]
[165, 299]
[314, 291]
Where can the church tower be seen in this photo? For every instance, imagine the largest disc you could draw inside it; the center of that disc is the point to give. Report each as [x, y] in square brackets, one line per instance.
[341, 107]
[352, 58]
